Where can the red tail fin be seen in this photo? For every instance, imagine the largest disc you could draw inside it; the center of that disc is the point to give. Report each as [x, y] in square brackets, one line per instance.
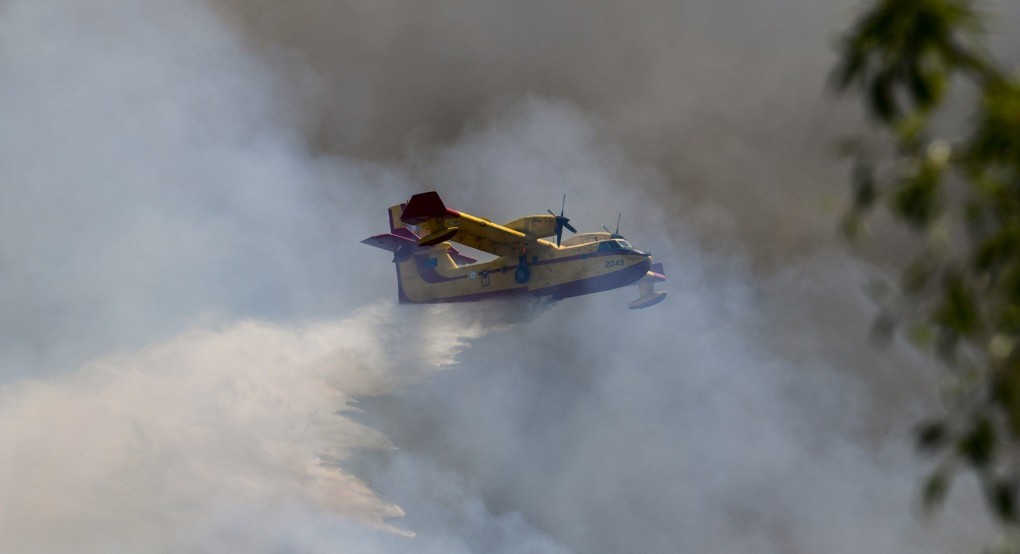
[421, 207]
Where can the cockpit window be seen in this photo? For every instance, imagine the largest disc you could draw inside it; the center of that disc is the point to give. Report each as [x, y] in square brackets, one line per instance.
[613, 245]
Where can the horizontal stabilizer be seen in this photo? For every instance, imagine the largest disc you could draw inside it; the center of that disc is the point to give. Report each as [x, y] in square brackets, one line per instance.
[401, 237]
[422, 207]
[390, 241]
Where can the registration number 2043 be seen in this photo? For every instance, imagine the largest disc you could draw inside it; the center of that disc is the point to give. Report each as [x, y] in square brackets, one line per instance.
[615, 263]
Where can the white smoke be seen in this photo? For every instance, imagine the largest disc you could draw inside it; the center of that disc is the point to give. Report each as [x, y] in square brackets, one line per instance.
[746, 413]
[155, 448]
[151, 171]
[158, 210]
[189, 321]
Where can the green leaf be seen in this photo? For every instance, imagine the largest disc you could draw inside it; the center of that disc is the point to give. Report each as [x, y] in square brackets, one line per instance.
[910, 128]
[1006, 391]
[865, 188]
[997, 250]
[850, 69]
[882, 97]
[932, 436]
[1003, 497]
[978, 445]
[997, 136]
[922, 89]
[958, 312]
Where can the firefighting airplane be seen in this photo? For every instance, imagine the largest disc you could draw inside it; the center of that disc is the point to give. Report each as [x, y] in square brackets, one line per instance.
[431, 270]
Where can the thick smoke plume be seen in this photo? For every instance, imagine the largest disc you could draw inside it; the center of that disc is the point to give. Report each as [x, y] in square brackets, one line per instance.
[156, 447]
[197, 355]
[159, 209]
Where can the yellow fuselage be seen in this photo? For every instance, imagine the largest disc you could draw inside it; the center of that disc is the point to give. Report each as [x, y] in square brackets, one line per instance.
[432, 276]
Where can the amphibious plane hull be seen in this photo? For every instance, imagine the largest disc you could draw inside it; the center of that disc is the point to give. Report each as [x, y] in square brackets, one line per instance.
[564, 278]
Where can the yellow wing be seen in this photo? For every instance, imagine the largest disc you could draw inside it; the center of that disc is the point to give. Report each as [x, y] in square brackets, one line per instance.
[427, 211]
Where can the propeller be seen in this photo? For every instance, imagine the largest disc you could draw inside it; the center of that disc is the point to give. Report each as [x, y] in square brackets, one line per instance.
[561, 221]
[615, 234]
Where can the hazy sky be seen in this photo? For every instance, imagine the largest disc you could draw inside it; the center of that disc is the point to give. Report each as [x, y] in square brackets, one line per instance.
[196, 353]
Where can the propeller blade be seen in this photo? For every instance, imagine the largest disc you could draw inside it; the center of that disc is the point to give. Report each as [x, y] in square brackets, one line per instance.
[618, 215]
[561, 221]
[607, 229]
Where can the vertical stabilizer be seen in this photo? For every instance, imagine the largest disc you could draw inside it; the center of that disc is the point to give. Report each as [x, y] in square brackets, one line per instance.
[394, 214]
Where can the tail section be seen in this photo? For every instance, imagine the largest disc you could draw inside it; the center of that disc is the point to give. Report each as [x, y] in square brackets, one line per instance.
[418, 274]
[403, 242]
[428, 213]
[406, 245]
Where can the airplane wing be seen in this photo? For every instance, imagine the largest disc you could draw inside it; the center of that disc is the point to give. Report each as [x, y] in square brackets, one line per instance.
[427, 211]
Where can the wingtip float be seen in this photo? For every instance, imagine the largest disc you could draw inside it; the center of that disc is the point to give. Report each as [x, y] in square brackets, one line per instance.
[431, 270]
